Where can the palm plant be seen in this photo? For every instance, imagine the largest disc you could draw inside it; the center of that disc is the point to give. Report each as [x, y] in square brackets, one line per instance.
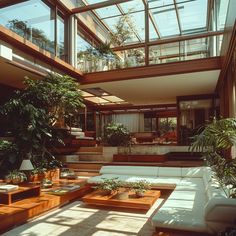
[214, 141]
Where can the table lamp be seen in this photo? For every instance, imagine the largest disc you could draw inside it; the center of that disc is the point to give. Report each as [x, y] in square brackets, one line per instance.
[26, 166]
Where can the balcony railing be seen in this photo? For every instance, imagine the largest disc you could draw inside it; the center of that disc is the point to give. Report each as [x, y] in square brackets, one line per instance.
[184, 50]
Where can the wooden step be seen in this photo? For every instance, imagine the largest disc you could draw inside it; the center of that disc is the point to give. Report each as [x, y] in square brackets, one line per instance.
[89, 157]
[91, 149]
[86, 173]
[81, 166]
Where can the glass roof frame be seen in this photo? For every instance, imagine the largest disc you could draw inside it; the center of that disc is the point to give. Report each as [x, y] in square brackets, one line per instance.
[174, 6]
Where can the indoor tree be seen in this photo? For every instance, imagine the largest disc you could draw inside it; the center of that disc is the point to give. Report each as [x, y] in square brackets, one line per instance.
[33, 111]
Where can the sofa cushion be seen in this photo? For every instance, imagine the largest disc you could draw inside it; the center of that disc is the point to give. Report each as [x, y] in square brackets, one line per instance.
[169, 172]
[130, 170]
[196, 172]
[181, 215]
[190, 184]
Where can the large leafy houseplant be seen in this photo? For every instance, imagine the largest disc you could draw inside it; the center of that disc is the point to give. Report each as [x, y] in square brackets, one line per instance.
[215, 141]
[33, 111]
[116, 134]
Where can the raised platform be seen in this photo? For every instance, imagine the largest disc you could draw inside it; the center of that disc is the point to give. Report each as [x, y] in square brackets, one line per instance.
[21, 211]
[143, 203]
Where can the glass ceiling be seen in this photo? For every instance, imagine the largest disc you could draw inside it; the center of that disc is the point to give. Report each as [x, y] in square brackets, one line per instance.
[101, 97]
[167, 18]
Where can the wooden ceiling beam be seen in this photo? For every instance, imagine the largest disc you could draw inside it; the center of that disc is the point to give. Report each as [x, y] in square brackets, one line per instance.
[172, 68]
[135, 107]
[97, 6]
[5, 3]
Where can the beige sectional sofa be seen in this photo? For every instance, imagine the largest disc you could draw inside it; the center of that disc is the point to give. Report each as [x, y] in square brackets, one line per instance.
[197, 202]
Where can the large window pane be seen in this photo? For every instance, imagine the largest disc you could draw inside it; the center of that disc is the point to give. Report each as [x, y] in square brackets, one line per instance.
[193, 15]
[61, 37]
[33, 20]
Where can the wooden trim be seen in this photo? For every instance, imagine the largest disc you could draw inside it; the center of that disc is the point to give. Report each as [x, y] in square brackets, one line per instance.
[171, 40]
[227, 59]
[6, 3]
[195, 97]
[97, 6]
[33, 50]
[172, 68]
[126, 107]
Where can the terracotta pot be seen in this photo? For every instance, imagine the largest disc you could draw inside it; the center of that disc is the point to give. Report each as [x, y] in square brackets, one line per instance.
[53, 174]
[122, 195]
[37, 177]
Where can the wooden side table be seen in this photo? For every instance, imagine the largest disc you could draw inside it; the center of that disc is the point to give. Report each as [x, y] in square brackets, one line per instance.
[22, 193]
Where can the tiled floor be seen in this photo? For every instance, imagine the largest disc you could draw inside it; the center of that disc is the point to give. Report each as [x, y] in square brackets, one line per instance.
[82, 220]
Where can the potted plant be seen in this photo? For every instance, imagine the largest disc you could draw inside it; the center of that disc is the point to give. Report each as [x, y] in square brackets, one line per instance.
[108, 186]
[117, 134]
[123, 191]
[140, 187]
[215, 141]
[15, 177]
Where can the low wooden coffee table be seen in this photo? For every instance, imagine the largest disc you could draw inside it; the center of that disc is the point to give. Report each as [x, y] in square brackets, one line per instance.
[142, 203]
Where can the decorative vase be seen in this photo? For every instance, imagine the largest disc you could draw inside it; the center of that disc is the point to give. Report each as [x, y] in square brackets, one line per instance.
[122, 195]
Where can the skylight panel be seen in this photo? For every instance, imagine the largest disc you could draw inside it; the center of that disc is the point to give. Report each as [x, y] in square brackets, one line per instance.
[138, 19]
[152, 32]
[93, 1]
[111, 22]
[131, 6]
[159, 3]
[86, 94]
[193, 14]
[96, 100]
[108, 11]
[113, 99]
[166, 20]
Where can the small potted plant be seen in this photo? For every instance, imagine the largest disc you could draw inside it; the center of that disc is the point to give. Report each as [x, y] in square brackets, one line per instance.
[108, 186]
[15, 177]
[47, 183]
[140, 187]
[123, 192]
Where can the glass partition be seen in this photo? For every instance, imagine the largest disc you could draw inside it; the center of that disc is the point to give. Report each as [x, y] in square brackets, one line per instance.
[91, 59]
[194, 113]
[35, 21]
[185, 50]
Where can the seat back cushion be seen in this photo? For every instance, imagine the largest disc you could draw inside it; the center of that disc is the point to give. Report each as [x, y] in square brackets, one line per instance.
[193, 172]
[130, 170]
[170, 172]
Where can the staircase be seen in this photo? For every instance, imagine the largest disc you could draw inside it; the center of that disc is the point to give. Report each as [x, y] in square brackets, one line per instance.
[87, 161]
